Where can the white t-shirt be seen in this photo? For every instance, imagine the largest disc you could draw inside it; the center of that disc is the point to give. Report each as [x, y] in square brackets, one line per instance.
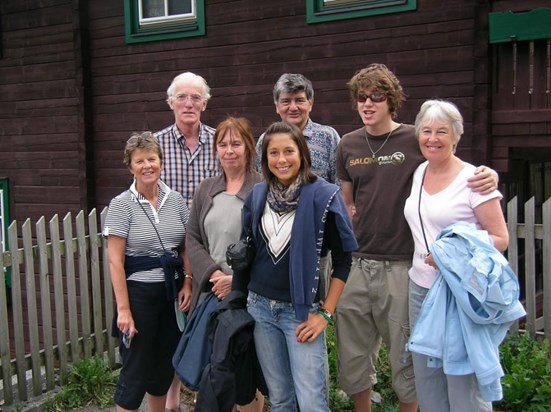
[455, 203]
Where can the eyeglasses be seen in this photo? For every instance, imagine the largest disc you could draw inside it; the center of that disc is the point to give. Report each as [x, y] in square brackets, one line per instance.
[195, 98]
[376, 97]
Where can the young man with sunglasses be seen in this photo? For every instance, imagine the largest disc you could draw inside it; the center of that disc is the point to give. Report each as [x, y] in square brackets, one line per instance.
[375, 165]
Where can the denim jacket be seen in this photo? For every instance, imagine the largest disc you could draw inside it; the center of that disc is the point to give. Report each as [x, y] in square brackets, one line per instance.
[469, 308]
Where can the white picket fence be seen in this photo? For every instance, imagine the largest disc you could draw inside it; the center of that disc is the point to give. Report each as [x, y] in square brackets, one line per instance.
[62, 301]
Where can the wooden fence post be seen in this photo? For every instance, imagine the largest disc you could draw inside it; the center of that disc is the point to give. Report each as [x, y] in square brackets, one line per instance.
[530, 266]
[512, 250]
[32, 312]
[546, 219]
[46, 307]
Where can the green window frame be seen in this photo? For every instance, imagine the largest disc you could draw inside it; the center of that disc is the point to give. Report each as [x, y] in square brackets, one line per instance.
[140, 29]
[4, 221]
[319, 11]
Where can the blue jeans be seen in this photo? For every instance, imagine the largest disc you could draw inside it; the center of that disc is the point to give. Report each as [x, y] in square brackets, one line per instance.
[294, 372]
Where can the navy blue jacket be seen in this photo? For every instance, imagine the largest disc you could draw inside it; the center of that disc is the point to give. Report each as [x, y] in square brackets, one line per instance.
[316, 200]
[233, 374]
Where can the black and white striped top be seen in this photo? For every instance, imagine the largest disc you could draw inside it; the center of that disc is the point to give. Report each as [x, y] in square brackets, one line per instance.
[127, 218]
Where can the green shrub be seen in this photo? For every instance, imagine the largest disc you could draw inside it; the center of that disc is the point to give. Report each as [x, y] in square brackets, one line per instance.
[526, 384]
[89, 381]
[527, 380]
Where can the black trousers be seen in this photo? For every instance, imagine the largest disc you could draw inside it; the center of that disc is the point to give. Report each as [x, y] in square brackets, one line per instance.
[147, 363]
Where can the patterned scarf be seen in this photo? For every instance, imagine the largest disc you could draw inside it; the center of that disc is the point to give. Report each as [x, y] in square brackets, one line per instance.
[284, 199]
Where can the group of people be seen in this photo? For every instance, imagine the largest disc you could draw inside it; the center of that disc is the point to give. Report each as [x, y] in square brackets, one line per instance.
[330, 220]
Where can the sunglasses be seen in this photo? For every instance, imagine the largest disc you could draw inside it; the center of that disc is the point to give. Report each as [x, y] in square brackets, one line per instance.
[376, 97]
[126, 340]
[144, 137]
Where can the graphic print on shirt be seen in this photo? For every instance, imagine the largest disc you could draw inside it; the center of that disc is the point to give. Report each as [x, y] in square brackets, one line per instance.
[394, 159]
[276, 230]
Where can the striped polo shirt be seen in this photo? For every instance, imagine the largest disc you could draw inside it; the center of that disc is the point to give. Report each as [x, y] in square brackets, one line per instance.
[132, 217]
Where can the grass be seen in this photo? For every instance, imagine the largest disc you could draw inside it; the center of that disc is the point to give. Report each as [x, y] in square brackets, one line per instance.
[526, 384]
[89, 381]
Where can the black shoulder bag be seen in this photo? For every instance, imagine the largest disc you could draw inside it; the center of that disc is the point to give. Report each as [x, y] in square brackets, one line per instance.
[240, 255]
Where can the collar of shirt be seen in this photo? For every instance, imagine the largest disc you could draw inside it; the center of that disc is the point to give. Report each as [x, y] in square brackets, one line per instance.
[163, 192]
[308, 129]
[202, 137]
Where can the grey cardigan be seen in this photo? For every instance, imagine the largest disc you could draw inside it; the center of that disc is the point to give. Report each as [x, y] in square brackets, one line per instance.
[197, 244]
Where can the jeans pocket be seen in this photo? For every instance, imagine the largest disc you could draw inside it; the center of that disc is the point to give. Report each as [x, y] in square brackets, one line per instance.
[252, 298]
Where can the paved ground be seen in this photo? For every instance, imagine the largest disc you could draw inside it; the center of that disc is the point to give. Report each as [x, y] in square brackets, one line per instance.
[37, 404]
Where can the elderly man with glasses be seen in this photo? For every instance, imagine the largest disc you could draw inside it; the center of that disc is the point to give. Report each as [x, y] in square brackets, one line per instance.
[187, 144]
[189, 154]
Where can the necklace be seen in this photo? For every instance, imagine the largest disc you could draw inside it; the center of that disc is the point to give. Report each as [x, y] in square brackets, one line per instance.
[374, 152]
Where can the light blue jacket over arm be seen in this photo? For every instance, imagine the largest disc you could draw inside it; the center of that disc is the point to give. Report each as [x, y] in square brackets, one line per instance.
[469, 309]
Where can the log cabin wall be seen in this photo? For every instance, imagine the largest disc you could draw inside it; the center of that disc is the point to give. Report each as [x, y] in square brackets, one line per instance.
[72, 90]
[520, 108]
[42, 147]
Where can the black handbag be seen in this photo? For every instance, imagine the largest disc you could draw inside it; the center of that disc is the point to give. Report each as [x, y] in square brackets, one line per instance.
[240, 255]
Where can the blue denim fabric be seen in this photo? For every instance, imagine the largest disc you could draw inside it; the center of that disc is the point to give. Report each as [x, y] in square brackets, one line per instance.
[294, 372]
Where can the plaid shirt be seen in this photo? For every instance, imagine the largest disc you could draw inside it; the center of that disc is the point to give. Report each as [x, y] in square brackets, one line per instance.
[182, 170]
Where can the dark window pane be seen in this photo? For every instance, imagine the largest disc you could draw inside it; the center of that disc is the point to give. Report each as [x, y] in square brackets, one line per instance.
[179, 7]
[153, 8]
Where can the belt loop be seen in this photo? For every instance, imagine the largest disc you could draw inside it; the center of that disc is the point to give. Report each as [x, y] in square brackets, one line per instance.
[387, 266]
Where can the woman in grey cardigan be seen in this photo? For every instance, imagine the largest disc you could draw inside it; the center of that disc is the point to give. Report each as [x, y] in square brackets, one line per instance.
[215, 219]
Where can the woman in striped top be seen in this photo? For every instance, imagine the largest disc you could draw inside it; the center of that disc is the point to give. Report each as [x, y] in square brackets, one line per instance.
[145, 228]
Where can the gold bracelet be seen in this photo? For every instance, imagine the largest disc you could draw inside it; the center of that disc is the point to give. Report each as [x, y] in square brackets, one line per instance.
[188, 276]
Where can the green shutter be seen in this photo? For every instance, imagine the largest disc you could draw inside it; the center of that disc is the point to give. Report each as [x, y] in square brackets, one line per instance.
[531, 25]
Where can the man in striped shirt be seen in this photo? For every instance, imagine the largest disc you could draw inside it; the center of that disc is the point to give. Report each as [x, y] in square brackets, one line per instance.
[189, 155]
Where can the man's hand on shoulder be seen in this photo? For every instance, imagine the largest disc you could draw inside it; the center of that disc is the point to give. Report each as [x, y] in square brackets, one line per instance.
[484, 180]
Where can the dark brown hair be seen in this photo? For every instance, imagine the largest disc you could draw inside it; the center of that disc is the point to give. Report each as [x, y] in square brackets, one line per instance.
[377, 76]
[242, 127]
[305, 170]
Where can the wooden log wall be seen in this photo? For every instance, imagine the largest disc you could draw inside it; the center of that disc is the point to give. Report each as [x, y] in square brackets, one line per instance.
[72, 90]
[41, 149]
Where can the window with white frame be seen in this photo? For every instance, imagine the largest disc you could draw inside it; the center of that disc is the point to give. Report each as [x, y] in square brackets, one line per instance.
[318, 11]
[154, 20]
